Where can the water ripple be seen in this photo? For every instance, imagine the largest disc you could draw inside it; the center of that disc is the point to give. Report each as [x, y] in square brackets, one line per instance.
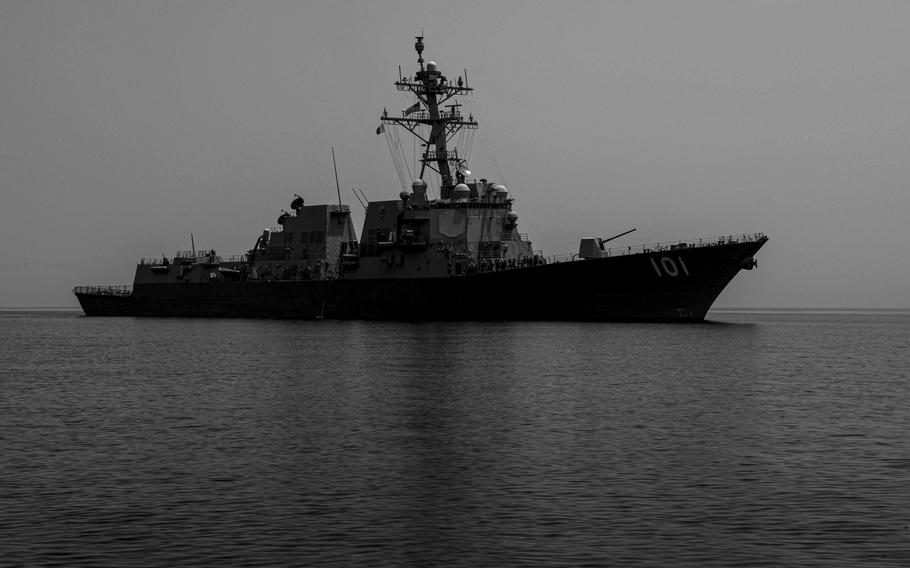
[779, 441]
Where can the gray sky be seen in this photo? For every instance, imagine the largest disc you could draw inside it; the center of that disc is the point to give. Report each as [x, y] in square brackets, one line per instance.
[124, 126]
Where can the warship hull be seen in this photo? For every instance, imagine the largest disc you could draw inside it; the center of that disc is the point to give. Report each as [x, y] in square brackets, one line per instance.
[667, 285]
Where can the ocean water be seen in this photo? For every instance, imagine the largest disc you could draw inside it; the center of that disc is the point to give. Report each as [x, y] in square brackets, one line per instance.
[759, 439]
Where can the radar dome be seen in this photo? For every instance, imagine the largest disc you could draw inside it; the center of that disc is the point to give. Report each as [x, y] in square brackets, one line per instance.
[512, 217]
[404, 195]
[431, 66]
[419, 186]
[500, 191]
[460, 191]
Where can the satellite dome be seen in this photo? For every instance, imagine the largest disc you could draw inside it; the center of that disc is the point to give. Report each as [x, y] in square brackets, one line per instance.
[460, 191]
[512, 217]
[419, 186]
[404, 195]
[500, 191]
[431, 66]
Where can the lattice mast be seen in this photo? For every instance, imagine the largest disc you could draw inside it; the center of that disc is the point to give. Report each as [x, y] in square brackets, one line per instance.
[433, 90]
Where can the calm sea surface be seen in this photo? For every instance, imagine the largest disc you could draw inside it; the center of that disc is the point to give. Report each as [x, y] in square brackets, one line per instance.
[762, 439]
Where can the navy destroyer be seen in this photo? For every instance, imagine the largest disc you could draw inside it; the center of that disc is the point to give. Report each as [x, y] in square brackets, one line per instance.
[449, 249]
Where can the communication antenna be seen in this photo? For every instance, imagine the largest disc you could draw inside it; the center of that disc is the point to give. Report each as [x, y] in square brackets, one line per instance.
[337, 185]
[358, 199]
[193, 244]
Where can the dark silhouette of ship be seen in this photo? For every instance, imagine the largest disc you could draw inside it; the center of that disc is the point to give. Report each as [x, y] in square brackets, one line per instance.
[458, 256]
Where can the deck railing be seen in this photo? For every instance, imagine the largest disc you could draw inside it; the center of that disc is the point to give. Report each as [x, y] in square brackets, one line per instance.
[668, 246]
[182, 255]
[232, 258]
[122, 290]
[191, 253]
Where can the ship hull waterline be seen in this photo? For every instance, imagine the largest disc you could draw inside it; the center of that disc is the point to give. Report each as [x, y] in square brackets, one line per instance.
[674, 285]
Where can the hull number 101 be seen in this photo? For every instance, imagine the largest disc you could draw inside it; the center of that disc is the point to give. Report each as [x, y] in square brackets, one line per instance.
[669, 267]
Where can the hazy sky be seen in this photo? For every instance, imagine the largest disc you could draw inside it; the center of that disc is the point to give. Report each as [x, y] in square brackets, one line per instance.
[125, 126]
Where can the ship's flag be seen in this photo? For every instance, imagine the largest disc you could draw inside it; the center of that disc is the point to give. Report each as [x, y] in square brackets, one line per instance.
[380, 129]
[413, 108]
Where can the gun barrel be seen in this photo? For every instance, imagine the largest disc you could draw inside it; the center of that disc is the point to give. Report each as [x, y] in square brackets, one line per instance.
[603, 241]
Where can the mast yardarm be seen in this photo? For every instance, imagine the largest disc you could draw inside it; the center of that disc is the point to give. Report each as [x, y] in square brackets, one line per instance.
[433, 90]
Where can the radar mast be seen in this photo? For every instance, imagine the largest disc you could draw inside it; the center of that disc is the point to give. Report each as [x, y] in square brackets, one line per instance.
[433, 90]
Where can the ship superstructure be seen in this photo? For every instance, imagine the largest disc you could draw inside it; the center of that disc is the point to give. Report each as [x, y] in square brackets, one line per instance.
[471, 226]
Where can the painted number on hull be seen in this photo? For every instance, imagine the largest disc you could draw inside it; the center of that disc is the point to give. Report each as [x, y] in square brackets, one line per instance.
[670, 267]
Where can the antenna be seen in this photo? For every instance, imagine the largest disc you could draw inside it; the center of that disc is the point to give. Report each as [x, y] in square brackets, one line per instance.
[358, 199]
[193, 244]
[337, 185]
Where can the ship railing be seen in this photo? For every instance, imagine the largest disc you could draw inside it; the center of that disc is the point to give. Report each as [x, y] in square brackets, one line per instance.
[156, 261]
[487, 264]
[184, 255]
[488, 254]
[665, 246]
[436, 155]
[492, 261]
[424, 115]
[121, 290]
[191, 253]
[685, 244]
[557, 258]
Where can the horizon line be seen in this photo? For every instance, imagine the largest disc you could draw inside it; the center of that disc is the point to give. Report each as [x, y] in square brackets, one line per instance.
[713, 308]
